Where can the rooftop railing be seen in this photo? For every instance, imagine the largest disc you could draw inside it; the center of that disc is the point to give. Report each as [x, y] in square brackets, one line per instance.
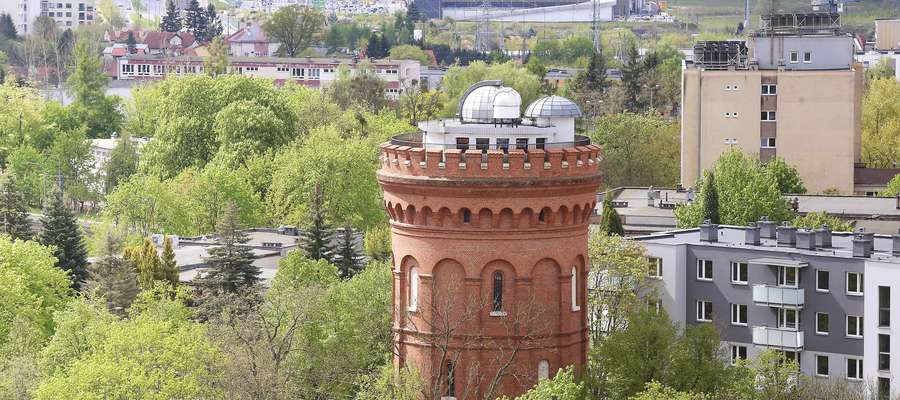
[414, 140]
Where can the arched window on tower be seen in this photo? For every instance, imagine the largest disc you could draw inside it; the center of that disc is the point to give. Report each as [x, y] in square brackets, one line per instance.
[575, 306]
[451, 386]
[497, 297]
[413, 288]
[543, 370]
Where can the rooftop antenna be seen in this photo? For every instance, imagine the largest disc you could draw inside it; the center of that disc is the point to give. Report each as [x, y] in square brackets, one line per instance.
[483, 28]
[595, 27]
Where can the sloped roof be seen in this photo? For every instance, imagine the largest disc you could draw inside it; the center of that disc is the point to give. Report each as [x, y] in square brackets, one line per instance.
[249, 34]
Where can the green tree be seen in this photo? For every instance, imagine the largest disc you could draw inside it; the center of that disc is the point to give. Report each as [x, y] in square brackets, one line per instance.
[710, 199]
[298, 271]
[146, 261]
[317, 237]
[657, 391]
[7, 27]
[159, 352]
[247, 128]
[375, 47]
[458, 79]
[409, 52]
[699, 361]
[786, 176]
[144, 204]
[346, 257]
[363, 90]
[745, 191]
[377, 242]
[13, 211]
[213, 23]
[122, 163]
[230, 265]
[62, 231]
[417, 105]
[217, 62]
[881, 124]
[610, 223]
[816, 220]
[72, 161]
[295, 27]
[638, 149]
[131, 43]
[113, 278]
[639, 354]
[194, 20]
[385, 384]
[884, 69]
[168, 266]
[893, 187]
[87, 85]
[632, 73]
[171, 21]
[207, 195]
[563, 386]
[619, 267]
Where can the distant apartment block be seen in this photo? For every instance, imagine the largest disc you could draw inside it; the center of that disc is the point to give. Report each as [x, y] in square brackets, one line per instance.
[66, 13]
[887, 34]
[311, 72]
[792, 90]
[823, 299]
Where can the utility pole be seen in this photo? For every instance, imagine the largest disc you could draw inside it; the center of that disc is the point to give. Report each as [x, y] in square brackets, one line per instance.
[595, 27]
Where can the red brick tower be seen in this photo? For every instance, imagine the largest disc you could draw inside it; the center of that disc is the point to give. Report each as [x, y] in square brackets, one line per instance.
[489, 214]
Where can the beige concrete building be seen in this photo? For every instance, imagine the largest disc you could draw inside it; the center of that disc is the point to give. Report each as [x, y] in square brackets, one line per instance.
[887, 34]
[792, 91]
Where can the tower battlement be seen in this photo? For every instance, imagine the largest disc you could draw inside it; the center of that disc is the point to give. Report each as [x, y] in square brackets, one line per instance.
[455, 163]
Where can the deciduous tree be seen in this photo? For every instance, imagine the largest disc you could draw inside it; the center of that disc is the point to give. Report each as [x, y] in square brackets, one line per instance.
[122, 163]
[295, 27]
[638, 149]
[881, 124]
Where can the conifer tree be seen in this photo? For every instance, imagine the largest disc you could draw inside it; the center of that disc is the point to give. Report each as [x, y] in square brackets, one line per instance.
[131, 43]
[61, 230]
[347, 259]
[317, 237]
[610, 223]
[710, 199]
[168, 267]
[113, 277]
[230, 266]
[13, 213]
[632, 73]
[213, 24]
[195, 19]
[146, 262]
[171, 22]
[596, 72]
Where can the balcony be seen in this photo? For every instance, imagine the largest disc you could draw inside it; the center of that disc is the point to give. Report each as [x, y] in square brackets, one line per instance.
[776, 296]
[784, 339]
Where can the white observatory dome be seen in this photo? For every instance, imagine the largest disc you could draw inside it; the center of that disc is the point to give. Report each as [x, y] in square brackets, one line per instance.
[553, 107]
[487, 101]
[507, 104]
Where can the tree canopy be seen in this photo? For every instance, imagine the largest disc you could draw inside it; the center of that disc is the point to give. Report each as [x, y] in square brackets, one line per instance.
[295, 27]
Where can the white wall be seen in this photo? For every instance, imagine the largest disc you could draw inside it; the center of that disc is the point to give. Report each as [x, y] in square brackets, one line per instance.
[671, 289]
[881, 274]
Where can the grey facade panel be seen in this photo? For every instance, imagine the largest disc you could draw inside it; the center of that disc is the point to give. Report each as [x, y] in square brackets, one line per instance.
[827, 52]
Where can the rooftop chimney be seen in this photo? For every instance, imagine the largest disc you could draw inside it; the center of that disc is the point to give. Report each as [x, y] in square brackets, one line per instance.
[766, 228]
[860, 246]
[869, 237]
[709, 232]
[787, 235]
[806, 239]
[895, 249]
[823, 237]
[751, 234]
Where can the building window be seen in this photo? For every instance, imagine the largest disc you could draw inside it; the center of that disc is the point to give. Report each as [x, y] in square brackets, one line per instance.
[884, 352]
[767, 143]
[769, 89]
[787, 276]
[313, 73]
[787, 318]
[821, 365]
[704, 311]
[739, 314]
[854, 368]
[466, 216]
[539, 143]
[822, 323]
[884, 388]
[413, 288]
[738, 273]
[574, 290]
[767, 116]
[854, 326]
[884, 306]
[704, 270]
[855, 283]
[482, 144]
[522, 143]
[297, 73]
[822, 284]
[543, 370]
[542, 216]
[795, 57]
[807, 57]
[451, 387]
[462, 143]
[656, 267]
[498, 292]
[738, 353]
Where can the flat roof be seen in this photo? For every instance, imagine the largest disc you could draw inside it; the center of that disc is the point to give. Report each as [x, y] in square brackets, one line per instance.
[864, 206]
[731, 236]
[268, 60]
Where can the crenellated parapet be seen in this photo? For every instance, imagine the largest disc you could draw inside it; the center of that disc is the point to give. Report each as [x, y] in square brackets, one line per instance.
[514, 163]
